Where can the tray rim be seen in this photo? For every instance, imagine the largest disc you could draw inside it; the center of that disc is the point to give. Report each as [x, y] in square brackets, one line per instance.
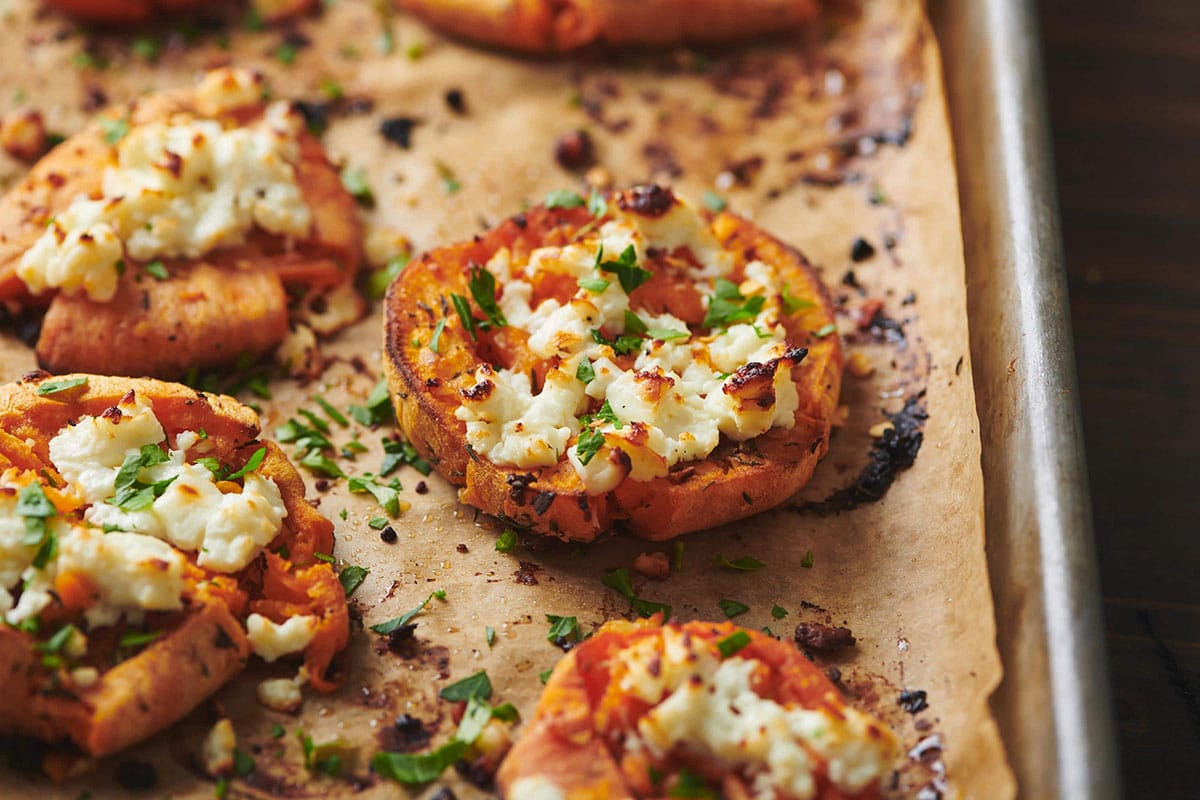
[1053, 704]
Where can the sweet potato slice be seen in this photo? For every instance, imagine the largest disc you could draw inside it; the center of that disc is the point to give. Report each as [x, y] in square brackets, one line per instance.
[588, 737]
[551, 26]
[185, 313]
[201, 646]
[735, 480]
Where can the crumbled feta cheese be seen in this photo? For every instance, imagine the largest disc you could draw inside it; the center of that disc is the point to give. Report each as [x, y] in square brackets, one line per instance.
[228, 530]
[180, 188]
[218, 747]
[271, 640]
[709, 705]
[228, 89]
[128, 570]
[679, 390]
[280, 694]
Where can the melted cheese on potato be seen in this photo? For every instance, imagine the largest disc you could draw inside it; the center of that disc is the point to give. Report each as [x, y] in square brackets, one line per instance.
[677, 400]
[227, 530]
[179, 189]
[707, 704]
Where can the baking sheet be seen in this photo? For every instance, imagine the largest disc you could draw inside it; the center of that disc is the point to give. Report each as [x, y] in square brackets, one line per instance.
[1053, 706]
[907, 574]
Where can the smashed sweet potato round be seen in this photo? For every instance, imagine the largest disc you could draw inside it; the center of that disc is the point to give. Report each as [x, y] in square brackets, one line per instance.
[694, 710]
[119, 12]
[633, 363]
[123, 614]
[550, 26]
[183, 232]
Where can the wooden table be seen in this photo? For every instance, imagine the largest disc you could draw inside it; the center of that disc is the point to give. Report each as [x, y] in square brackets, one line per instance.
[1124, 81]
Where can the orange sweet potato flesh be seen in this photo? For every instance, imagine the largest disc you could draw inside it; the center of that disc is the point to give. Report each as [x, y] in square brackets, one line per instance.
[205, 644]
[573, 740]
[735, 481]
[551, 26]
[209, 311]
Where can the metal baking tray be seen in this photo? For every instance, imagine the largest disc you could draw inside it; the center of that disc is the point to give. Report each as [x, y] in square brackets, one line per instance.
[1053, 706]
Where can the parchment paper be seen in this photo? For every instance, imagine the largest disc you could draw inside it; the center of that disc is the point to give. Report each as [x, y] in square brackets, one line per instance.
[907, 574]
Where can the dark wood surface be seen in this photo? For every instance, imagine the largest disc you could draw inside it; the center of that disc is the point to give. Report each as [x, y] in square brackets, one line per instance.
[1124, 85]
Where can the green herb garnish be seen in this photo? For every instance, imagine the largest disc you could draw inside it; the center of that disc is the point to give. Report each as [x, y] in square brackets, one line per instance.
[54, 387]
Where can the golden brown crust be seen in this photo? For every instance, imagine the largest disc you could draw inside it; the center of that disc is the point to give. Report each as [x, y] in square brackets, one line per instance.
[736, 480]
[205, 644]
[209, 310]
[554, 26]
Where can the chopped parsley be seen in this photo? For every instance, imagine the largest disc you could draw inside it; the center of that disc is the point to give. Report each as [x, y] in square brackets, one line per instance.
[690, 784]
[778, 612]
[728, 306]
[379, 280]
[606, 414]
[36, 508]
[792, 304]
[351, 578]
[807, 561]
[666, 334]
[507, 541]
[332, 412]
[304, 437]
[563, 198]
[402, 620]
[385, 494]
[377, 523]
[378, 408]
[743, 564]
[620, 581]
[131, 494]
[562, 628]
[242, 764]
[625, 267]
[596, 205]
[733, 643]
[54, 387]
[396, 453]
[544, 675]
[450, 182]
[825, 330]
[156, 270]
[585, 372]
[132, 639]
[114, 129]
[677, 556]
[732, 608]
[476, 686]
[594, 285]
[623, 345]
[588, 444]
[321, 464]
[714, 201]
[254, 462]
[483, 288]
[417, 768]
[435, 340]
[354, 181]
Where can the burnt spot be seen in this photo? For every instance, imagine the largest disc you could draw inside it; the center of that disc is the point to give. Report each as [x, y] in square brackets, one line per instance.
[398, 130]
[890, 454]
[745, 170]
[526, 575]
[913, 700]
[649, 200]
[861, 250]
[456, 101]
[518, 484]
[661, 159]
[822, 638]
[575, 150]
[542, 502]
[479, 392]
[406, 735]
[316, 115]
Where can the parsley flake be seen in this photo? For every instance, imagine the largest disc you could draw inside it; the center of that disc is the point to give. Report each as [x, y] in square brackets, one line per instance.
[351, 578]
[733, 643]
[743, 564]
[54, 387]
[732, 608]
[563, 198]
[728, 306]
[588, 444]
[630, 275]
[507, 541]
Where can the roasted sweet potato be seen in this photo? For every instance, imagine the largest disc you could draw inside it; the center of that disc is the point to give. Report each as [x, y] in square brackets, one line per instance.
[117, 690]
[552, 26]
[169, 315]
[442, 358]
[696, 710]
[117, 12]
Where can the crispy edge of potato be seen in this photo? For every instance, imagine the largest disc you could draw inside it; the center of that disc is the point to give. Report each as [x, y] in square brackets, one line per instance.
[546, 27]
[757, 475]
[199, 318]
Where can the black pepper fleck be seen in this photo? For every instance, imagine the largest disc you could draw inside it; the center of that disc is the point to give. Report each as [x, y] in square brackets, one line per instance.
[456, 101]
[398, 130]
[861, 250]
[388, 534]
[422, 487]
